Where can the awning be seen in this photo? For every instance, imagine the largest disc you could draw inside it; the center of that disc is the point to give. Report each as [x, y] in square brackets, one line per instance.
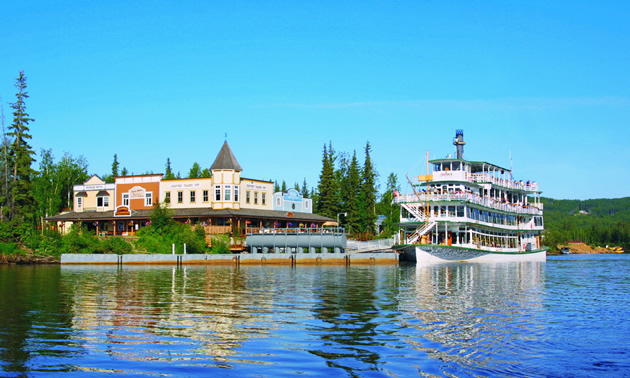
[81, 194]
[102, 193]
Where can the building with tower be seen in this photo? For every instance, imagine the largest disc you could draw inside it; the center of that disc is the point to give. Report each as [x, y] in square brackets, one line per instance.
[226, 202]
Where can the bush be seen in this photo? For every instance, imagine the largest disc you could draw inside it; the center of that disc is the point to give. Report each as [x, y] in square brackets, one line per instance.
[116, 245]
[162, 232]
[9, 248]
[221, 244]
[80, 241]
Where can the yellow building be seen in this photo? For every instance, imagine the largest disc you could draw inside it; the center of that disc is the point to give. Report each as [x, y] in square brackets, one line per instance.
[226, 202]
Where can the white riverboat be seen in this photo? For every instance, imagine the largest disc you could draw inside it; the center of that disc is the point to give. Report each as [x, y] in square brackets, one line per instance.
[474, 211]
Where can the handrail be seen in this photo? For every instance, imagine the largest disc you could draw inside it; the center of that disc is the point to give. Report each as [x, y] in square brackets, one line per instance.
[469, 197]
[297, 230]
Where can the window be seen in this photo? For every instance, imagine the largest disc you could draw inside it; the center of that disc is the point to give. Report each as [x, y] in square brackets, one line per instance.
[255, 198]
[217, 193]
[278, 202]
[79, 202]
[180, 197]
[227, 193]
[102, 201]
[148, 199]
[247, 193]
[125, 199]
[235, 193]
[193, 194]
[264, 198]
[167, 197]
[205, 196]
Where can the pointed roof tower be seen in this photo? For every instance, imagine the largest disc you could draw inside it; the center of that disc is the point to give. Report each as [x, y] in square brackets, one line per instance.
[226, 160]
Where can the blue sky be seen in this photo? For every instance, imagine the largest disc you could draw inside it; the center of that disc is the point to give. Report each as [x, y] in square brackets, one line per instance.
[545, 81]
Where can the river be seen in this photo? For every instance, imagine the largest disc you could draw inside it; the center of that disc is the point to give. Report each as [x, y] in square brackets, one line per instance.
[569, 316]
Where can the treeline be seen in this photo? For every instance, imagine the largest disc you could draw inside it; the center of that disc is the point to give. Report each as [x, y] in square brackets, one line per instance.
[348, 190]
[598, 222]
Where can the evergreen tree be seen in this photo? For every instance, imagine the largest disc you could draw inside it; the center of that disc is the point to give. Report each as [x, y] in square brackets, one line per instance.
[4, 194]
[367, 197]
[351, 186]
[284, 187]
[297, 187]
[115, 166]
[305, 192]
[22, 203]
[276, 187]
[195, 171]
[124, 172]
[388, 208]
[326, 190]
[206, 173]
[168, 175]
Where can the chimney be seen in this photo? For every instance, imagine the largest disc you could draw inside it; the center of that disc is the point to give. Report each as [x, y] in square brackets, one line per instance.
[458, 142]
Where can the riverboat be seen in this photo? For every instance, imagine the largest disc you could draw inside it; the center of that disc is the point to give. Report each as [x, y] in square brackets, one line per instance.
[471, 211]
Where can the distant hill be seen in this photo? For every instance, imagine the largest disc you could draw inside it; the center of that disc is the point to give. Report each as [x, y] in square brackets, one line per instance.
[594, 221]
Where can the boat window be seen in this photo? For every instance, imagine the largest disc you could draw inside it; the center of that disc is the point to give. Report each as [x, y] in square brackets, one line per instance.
[456, 166]
[460, 211]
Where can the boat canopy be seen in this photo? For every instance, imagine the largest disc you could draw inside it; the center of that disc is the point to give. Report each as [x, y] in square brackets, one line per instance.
[475, 166]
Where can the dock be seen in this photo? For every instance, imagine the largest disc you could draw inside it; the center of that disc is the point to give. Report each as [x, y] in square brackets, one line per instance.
[291, 259]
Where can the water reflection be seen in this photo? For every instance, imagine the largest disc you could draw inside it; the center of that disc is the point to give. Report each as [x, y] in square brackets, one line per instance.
[158, 306]
[34, 318]
[352, 304]
[480, 317]
[513, 319]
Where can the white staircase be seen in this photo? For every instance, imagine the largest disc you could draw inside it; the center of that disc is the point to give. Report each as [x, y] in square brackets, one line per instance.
[417, 211]
[420, 231]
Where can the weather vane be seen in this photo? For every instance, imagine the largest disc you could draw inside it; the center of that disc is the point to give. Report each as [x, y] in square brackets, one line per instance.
[225, 136]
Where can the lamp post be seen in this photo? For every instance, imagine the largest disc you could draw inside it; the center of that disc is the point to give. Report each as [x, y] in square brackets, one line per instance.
[344, 214]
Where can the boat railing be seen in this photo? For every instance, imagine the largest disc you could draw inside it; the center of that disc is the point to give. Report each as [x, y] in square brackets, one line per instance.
[296, 230]
[472, 198]
[510, 184]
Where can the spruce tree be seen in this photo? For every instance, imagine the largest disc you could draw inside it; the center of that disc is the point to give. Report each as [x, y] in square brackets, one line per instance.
[388, 208]
[284, 187]
[305, 192]
[368, 194]
[115, 166]
[351, 188]
[168, 175]
[22, 203]
[124, 172]
[326, 196]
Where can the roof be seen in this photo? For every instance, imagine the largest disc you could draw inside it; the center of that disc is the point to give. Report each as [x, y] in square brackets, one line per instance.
[476, 166]
[193, 213]
[226, 160]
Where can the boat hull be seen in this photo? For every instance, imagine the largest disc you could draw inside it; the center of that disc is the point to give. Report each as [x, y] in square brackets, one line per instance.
[431, 254]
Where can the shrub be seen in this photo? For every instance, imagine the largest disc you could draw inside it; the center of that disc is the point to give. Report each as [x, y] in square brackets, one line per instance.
[116, 245]
[80, 241]
[221, 244]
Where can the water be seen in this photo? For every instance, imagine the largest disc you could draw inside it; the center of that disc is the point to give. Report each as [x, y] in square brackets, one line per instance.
[566, 317]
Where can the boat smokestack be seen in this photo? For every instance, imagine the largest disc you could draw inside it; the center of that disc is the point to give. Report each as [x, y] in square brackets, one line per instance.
[459, 143]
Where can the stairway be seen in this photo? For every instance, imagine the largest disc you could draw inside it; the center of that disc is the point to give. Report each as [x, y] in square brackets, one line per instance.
[420, 231]
[417, 211]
